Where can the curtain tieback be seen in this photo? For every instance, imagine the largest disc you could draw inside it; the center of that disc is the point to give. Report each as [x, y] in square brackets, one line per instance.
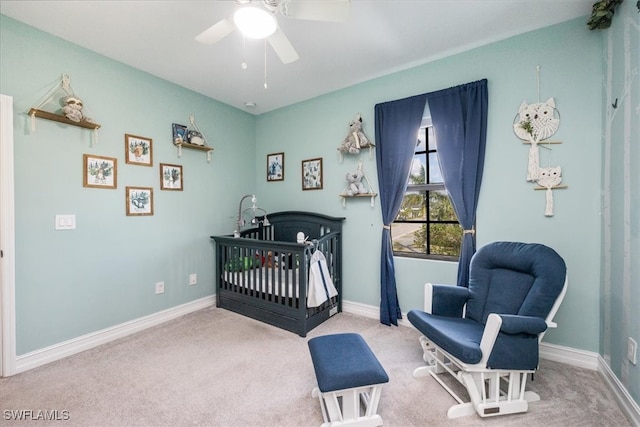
[386, 227]
[472, 231]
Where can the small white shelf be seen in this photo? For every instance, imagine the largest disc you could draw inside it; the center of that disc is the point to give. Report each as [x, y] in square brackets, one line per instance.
[344, 196]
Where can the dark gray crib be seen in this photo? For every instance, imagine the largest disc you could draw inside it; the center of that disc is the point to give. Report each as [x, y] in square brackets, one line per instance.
[264, 273]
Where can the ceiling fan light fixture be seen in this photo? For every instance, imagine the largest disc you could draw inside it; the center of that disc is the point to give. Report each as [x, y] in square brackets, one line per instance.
[255, 23]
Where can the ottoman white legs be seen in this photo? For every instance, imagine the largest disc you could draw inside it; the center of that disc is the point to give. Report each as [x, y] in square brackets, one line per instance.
[351, 407]
[350, 380]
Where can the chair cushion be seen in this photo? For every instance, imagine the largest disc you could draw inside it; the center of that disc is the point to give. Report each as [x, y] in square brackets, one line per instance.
[458, 336]
[344, 361]
[461, 338]
[514, 278]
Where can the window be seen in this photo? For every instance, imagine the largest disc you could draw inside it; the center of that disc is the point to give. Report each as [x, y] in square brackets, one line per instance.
[426, 225]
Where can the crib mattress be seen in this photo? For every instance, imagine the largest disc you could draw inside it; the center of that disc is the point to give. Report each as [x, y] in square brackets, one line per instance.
[263, 279]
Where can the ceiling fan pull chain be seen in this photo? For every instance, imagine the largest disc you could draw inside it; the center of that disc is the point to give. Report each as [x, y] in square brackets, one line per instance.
[244, 53]
[265, 64]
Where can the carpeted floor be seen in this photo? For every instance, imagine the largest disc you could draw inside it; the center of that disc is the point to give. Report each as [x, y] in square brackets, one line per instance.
[217, 368]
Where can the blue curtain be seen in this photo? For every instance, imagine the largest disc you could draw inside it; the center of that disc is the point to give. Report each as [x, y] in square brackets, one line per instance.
[459, 117]
[397, 126]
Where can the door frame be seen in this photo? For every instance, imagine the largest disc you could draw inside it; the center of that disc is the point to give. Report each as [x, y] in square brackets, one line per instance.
[7, 241]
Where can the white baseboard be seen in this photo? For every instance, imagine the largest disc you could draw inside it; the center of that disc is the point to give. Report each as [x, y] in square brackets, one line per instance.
[556, 353]
[626, 402]
[76, 345]
[570, 356]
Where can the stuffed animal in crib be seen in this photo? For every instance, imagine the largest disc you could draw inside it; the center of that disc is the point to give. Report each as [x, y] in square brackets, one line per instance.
[356, 139]
[355, 183]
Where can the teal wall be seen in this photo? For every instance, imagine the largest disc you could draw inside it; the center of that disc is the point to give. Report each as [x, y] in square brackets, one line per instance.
[621, 177]
[570, 58]
[70, 283]
[103, 273]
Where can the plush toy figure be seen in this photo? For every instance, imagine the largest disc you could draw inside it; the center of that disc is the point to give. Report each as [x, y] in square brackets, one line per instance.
[72, 109]
[356, 139]
[355, 183]
[195, 137]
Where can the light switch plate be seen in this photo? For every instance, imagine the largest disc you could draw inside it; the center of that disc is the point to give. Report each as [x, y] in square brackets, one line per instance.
[65, 222]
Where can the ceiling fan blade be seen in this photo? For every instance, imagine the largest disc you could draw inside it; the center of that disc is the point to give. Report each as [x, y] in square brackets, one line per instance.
[281, 44]
[318, 10]
[216, 32]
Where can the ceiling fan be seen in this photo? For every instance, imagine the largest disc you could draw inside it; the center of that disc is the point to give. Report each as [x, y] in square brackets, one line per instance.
[243, 19]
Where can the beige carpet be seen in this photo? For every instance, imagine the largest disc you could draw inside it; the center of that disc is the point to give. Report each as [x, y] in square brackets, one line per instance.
[217, 368]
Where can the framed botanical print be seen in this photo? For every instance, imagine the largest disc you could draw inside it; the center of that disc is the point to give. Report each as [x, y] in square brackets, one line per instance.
[138, 150]
[99, 171]
[170, 177]
[139, 201]
[275, 167]
[312, 174]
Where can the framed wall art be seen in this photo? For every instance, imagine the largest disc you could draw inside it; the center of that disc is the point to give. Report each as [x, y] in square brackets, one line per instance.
[275, 167]
[139, 201]
[99, 171]
[179, 133]
[312, 174]
[138, 150]
[170, 177]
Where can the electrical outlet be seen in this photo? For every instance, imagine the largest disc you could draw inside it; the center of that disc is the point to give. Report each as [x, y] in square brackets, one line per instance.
[632, 350]
[193, 278]
[159, 288]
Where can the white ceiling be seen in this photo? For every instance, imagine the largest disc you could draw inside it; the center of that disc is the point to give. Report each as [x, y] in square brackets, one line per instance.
[379, 38]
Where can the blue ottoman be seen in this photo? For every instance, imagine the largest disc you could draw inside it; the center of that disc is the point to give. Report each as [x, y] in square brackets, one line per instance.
[346, 368]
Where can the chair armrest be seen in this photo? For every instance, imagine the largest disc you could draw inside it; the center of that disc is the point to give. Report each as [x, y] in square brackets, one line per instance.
[489, 336]
[445, 300]
[509, 354]
[513, 324]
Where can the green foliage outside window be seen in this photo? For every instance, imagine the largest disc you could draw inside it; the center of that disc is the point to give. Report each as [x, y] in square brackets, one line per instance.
[426, 225]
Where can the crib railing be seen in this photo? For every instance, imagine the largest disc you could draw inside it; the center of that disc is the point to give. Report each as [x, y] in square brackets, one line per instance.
[272, 271]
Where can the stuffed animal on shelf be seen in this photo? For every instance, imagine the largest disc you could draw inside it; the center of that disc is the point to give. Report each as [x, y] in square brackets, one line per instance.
[355, 185]
[356, 139]
[194, 137]
[72, 109]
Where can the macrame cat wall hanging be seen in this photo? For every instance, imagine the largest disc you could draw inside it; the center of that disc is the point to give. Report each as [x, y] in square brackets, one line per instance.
[549, 178]
[534, 124]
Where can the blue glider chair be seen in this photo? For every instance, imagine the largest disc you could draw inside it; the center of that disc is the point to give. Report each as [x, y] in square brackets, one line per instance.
[487, 334]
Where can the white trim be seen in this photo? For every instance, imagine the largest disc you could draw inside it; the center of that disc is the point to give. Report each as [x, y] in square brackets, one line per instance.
[569, 356]
[556, 353]
[622, 396]
[7, 241]
[369, 311]
[76, 345]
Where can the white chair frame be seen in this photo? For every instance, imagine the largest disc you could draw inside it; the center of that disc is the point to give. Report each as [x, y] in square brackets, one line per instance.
[343, 407]
[492, 391]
